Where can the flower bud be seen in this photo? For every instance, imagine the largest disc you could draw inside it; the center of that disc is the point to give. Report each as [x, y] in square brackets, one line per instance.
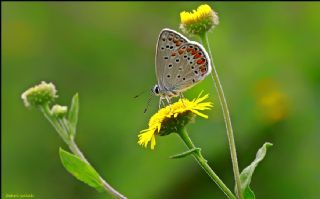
[199, 21]
[59, 111]
[40, 94]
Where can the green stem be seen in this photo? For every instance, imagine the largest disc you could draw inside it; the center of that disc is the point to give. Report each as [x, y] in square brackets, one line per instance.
[54, 122]
[226, 116]
[62, 130]
[204, 165]
[108, 188]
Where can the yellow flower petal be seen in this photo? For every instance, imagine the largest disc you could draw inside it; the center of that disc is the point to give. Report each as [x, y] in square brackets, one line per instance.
[200, 114]
[153, 142]
[196, 15]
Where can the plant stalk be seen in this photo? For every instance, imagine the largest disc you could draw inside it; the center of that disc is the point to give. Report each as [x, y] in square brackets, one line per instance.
[204, 165]
[108, 188]
[226, 116]
[63, 132]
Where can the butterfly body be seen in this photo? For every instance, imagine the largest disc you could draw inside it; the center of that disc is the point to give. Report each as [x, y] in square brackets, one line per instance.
[180, 64]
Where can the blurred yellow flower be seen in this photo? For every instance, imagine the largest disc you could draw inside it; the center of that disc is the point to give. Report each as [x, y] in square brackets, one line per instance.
[172, 117]
[199, 21]
[272, 102]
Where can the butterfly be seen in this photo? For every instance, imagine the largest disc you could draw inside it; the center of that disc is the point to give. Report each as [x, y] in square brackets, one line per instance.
[180, 64]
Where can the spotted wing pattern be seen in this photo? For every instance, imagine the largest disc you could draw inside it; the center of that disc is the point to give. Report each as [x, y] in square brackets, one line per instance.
[180, 63]
[193, 65]
[168, 42]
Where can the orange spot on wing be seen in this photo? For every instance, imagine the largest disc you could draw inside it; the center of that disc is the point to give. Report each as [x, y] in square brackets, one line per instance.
[173, 54]
[193, 51]
[198, 55]
[203, 69]
[180, 51]
[201, 61]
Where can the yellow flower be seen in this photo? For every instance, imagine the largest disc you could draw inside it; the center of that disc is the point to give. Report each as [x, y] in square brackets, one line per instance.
[170, 118]
[272, 102]
[199, 21]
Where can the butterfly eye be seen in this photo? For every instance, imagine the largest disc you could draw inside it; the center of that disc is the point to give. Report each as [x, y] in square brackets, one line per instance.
[166, 57]
[171, 47]
[177, 60]
[185, 56]
[178, 76]
[184, 78]
[162, 48]
[196, 48]
[195, 72]
[167, 46]
[156, 89]
[191, 46]
[168, 76]
[170, 65]
[192, 67]
[163, 39]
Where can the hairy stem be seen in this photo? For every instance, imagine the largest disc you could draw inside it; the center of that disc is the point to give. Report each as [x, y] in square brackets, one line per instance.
[64, 133]
[54, 122]
[108, 188]
[226, 116]
[204, 165]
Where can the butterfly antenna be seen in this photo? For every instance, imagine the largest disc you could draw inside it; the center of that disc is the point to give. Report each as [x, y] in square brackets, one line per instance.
[140, 93]
[148, 103]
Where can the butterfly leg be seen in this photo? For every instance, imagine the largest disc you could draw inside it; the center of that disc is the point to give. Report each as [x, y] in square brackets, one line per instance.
[182, 98]
[169, 102]
[160, 102]
[164, 105]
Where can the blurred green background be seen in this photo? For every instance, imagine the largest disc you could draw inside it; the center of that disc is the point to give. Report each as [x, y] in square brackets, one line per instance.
[268, 58]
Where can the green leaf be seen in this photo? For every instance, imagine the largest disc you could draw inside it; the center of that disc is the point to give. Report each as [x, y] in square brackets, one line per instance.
[80, 169]
[246, 174]
[73, 114]
[184, 154]
[248, 193]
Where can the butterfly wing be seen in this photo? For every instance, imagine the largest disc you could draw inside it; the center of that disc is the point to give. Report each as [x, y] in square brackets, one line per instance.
[193, 66]
[169, 41]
